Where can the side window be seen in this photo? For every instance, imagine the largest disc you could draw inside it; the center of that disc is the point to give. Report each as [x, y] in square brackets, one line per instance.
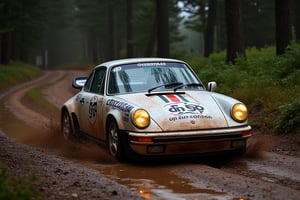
[98, 81]
[88, 83]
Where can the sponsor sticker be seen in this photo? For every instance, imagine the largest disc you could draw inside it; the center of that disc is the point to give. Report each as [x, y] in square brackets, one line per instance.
[151, 64]
[119, 105]
[186, 110]
[79, 97]
[180, 108]
[116, 69]
[93, 109]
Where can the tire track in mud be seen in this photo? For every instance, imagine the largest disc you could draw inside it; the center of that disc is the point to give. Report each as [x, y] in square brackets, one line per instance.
[59, 91]
[55, 87]
[24, 113]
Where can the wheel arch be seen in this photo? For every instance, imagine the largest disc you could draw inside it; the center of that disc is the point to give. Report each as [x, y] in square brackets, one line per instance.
[117, 116]
[73, 117]
[108, 119]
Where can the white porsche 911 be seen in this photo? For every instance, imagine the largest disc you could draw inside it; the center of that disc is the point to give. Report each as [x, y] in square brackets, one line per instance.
[154, 107]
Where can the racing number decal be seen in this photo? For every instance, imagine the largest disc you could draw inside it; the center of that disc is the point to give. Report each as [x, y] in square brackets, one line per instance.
[93, 109]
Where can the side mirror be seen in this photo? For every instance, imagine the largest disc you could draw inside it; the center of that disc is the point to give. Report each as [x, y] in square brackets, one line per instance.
[212, 86]
[79, 82]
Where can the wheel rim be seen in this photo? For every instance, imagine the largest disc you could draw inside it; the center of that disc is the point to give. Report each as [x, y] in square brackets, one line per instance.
[66, 126]
[113, 139]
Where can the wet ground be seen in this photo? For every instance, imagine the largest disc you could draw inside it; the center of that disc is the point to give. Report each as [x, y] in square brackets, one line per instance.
[257, 175]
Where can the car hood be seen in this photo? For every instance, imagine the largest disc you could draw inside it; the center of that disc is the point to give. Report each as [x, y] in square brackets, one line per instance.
[183, 111]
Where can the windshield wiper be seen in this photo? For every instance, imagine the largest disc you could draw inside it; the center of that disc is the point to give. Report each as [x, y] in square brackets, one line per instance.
[166, 85]
[188, 85]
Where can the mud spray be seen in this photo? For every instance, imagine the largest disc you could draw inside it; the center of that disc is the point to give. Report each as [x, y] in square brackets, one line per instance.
[51, 138]
[258, 144]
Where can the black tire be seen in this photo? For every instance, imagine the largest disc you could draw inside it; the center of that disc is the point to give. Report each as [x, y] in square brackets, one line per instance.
[114, 141]
[67, 127]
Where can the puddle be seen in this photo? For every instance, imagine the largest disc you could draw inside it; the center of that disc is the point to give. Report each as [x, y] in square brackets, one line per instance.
[153, 182]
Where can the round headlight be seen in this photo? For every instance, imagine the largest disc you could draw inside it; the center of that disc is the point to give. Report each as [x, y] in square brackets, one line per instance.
[239, 112]
[141, 118]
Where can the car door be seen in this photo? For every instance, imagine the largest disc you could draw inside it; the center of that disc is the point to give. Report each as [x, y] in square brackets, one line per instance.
[92, 99]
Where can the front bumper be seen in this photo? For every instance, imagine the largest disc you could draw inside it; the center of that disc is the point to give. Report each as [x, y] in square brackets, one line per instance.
[190, 142]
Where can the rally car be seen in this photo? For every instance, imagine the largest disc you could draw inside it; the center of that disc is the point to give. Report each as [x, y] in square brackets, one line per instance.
[154, 107]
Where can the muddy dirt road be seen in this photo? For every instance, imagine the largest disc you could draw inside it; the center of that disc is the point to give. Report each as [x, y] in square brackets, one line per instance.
[270, 170]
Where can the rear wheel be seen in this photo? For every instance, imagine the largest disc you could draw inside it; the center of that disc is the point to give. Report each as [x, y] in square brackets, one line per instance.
[114, 141]
[67, 127]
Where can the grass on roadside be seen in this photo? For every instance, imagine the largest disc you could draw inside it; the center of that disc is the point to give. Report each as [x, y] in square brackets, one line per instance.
[12, 188]
[17, 72]
[35, 96]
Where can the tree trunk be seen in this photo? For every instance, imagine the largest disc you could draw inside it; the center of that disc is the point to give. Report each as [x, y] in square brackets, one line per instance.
[235, 37]
[129, 29]
[162, 14]
[5, 49]
[151, 40]
[111, 31]
[209, 32]
[4, 42]
[296, 8]
[283, 25]
[94, 46]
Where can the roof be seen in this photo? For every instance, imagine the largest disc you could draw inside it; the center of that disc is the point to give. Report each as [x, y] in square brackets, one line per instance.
[136, 60]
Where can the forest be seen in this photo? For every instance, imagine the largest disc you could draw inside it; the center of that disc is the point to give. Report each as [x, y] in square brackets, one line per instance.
[53, 33]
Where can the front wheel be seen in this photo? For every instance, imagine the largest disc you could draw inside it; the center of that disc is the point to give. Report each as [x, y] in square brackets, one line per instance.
[114, 141]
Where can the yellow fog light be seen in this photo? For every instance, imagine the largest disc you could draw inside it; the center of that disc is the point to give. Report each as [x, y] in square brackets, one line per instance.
[141, 118]
[239, 112]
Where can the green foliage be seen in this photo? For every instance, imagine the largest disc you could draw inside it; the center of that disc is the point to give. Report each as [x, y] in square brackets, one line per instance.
[289, 119]
[16, 72]
[262, 80]
[14, 189]
[35, 95]
[38, 98]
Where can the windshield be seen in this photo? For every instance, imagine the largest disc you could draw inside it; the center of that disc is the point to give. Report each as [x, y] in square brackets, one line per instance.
[141, 77]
